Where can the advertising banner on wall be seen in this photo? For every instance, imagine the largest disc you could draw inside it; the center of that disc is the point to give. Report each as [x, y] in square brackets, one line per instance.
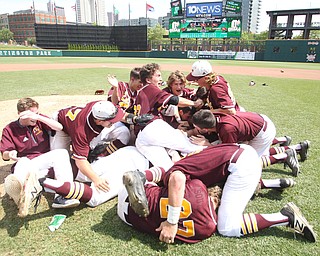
[233, 6]
[219, 55]
[203, 10]
[176, 8]
[30, 53]
[224, 27]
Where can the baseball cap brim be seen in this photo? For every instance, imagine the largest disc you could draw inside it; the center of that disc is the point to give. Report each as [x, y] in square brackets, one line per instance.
[118, 117]
[190, 77]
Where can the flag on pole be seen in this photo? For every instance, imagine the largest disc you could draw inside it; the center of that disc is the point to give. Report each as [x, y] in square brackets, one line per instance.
[149, 8]
[74, 7]
[115, 11]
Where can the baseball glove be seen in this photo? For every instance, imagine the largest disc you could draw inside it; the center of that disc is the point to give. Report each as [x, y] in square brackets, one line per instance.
[142, 120]
[99, 150]
[215, 195]
[99, 92]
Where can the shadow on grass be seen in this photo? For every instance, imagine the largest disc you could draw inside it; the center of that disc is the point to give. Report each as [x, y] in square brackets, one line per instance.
[281, 171]
[280, 232]
[111, 225]
[12, 223]
[272, 194]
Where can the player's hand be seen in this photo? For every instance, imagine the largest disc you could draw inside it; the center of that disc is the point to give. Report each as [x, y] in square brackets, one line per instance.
[101, 184]
[198, 104]
[184, 126]
[112, 81]
[13, 155]
[167, 232]
[28, 114]
[199, 140]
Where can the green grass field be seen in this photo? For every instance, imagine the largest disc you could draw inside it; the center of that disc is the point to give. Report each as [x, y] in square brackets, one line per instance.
[292, 104]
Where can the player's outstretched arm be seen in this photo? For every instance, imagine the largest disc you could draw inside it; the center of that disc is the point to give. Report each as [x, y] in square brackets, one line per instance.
[85, 167]
[176, 188]
[53, 124]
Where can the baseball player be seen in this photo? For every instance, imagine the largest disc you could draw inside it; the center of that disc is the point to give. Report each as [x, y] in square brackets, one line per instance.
[111, 168]
[26, 141]
[153, 139]
[86, 127]
[182, 209]
[252, 128]
[177, 86]
[220, 96]
[176, 116]
[124, 94]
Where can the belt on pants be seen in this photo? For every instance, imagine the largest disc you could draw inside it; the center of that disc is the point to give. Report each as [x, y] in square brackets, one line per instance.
[236, 155]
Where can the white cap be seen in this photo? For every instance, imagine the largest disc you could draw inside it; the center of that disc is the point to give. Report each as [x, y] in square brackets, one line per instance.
[106, 110]
[200, 69]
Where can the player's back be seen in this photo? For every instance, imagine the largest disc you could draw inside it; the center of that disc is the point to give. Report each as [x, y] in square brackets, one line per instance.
[197, 218]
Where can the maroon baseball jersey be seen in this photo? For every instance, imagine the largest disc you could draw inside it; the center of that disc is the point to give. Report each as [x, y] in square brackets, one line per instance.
[125, 95]
[150, 99]
[187, 93]
[29, 141]
[197, 220]
[243, 126]
[209, 165]
[79, 124]
[221, 96]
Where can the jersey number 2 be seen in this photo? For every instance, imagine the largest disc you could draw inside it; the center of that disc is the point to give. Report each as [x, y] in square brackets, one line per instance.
[187, 229]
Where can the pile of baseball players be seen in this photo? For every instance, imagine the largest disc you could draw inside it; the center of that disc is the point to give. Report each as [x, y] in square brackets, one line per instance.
[183, 162]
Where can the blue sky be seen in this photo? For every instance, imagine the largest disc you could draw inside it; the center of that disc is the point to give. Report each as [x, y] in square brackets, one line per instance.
[161, 7]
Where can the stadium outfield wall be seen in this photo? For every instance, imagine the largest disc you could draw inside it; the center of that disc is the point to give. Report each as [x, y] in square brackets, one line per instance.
[275, 50]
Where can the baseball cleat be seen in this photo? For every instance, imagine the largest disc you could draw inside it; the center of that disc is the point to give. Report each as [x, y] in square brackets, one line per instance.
[13, 187]
[286, 183]
[31, 191]
[134, 183]
[298, 222]
[60, 202]
[303, 152]
[292, 161]
[287, 142]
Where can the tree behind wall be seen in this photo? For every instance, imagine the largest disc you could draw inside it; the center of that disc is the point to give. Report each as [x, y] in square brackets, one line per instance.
[6, 35]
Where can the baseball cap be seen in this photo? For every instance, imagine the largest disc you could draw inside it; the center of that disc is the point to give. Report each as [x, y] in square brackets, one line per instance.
[107, 111]
[200, 69]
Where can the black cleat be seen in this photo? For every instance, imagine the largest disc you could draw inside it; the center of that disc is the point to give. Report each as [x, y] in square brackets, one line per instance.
[134, 183]
[298, 222]
[287, 142]
[285, 183]
[292, 161]
[303, 152]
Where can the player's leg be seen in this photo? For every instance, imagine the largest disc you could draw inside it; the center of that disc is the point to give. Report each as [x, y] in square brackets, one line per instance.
[115, 137]
[238, 190]
[59, 160]
[14, 183]
[289, 157]
[301, 149]
[60, 139]
[157, 136]
[290, 215]
[282, 141]
[262, 142]
[279, 184]
[123, 205]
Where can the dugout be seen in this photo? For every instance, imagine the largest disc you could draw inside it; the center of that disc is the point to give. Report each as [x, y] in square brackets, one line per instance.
[125, 38]
[292, 50]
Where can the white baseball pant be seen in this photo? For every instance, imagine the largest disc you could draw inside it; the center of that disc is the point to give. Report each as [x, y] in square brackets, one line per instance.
[57, 159]
[112, 167]
[158, 136]
[238, 190]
